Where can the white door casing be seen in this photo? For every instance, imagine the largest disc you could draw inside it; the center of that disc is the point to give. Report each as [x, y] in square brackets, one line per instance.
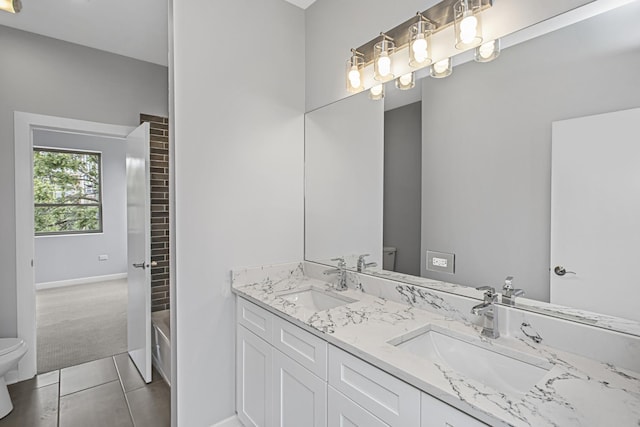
[139, 250]
[595, 213]
[24, 125]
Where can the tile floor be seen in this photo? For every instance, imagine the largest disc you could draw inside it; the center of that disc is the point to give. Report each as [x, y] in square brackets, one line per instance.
[103, 393]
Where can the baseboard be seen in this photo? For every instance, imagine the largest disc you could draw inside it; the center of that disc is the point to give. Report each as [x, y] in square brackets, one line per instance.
[81, 281]
[229, 422]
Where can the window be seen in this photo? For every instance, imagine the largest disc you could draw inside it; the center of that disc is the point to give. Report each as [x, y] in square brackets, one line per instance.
[66, 191]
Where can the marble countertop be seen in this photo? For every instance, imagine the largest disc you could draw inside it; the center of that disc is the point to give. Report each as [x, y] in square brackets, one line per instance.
[575, 391]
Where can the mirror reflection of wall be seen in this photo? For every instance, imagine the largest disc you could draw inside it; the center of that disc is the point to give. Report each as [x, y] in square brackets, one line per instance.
[484, 183]
[402, 189]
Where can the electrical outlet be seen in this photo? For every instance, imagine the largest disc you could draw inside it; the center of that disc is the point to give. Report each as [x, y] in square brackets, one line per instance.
[441, 261]
[103, 257]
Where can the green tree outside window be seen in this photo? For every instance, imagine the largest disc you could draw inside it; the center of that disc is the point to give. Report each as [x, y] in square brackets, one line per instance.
[66, 192]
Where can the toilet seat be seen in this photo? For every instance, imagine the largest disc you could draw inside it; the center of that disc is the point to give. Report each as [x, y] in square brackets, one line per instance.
[7, 345]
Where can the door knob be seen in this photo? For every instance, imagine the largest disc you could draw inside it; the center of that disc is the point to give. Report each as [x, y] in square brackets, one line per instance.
[141, 265]
[560, 271]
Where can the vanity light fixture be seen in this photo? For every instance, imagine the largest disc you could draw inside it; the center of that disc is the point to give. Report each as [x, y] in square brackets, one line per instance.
[420, 42]
[406, 81]
[382, 52]
[441, 69]
[11, 6]
[377, 92]
[467, 23]
[354, 72]
[487, 52]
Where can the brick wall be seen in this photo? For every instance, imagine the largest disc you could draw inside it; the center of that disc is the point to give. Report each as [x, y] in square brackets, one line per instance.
[159, 154]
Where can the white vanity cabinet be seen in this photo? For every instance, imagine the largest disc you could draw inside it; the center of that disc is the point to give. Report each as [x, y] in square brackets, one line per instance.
[438, 414]
[344, 412]
[280, 371]
[391, 400]
[254, 381]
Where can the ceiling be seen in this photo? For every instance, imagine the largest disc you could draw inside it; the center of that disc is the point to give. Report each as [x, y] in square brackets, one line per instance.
[137, 29]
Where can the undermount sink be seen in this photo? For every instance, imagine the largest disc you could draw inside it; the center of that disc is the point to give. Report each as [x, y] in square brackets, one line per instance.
[505, 370]
[316, 299]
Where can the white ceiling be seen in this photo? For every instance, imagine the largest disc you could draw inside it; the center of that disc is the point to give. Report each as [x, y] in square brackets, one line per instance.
[137, 29]
[303, 4]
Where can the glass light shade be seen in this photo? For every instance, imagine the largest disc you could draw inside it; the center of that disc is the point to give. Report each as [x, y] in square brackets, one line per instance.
[406, 81]
[11, 6]
[353, 73]
[382, 52]
[467, 23]
[440, 69]
[376, 92]
[420, 44]
[487, 52]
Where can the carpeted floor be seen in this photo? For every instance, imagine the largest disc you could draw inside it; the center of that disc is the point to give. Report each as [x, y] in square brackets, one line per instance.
[77, 324]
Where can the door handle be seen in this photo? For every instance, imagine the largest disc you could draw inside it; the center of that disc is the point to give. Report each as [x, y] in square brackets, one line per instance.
[142, 265]
[560, 271]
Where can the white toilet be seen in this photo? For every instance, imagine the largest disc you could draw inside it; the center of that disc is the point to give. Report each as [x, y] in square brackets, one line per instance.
[11, 351]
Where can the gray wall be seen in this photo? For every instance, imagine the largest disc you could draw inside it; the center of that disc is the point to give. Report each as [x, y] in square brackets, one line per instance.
[47, 76]
[402, 185]
[75, 256]
[239, 147]
[487, 145]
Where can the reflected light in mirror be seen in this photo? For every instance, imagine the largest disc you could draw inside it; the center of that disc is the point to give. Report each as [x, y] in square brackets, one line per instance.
[377, 92]
[441, 68]
[487, 52]
[11, 6]
[406, 81]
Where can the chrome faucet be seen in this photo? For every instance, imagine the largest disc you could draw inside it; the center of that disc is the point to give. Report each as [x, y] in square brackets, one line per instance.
[362, 264]
[510, 293]
[341, 270]
[487, 309]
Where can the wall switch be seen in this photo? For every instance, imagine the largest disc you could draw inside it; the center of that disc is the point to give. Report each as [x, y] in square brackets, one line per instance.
[103, 257]
[441, 261]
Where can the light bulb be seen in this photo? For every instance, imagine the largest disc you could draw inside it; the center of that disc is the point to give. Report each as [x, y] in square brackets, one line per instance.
[376, 90]
[468, 29]
[354, 77]
[487, 49]
[419, 48]
[406, 79]
[384, 64]
[441, 66]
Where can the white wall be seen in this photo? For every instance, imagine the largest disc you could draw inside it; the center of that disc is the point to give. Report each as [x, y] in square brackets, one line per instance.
[46, 76]
[239, 143]
[343, 180]
[66, 257]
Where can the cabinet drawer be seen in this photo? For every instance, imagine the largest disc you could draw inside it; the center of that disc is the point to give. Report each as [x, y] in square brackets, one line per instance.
[345, 412]
[388, 398]
[438, 414]
[256, 319]
[300, 345]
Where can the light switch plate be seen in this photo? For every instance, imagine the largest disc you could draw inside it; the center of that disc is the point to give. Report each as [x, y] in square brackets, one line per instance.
[441, 261]
[103, 257]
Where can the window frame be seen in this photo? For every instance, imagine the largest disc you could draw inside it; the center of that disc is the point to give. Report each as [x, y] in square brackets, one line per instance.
[100, 203]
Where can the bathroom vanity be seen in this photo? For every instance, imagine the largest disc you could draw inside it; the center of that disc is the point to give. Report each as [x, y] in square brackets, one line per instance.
[384, 353]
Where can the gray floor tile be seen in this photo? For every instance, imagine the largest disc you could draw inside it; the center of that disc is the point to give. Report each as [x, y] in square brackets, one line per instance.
[34, 407]
[38, 381]
[91, 374]
[101, 406]
[151, 405]
[129, 374]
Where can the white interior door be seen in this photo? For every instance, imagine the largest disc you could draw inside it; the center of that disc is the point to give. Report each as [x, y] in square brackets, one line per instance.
[595, 213]
[139, 250]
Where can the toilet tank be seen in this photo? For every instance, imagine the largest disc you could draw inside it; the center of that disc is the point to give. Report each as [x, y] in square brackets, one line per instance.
[389, 258]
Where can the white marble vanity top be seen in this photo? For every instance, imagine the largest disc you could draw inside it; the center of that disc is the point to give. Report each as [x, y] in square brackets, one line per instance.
[576, 391]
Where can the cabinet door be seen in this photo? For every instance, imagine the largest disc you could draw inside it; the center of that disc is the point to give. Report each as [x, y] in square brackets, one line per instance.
[300, 345]
[344, 412]
[388, 398]
[253, 379]
[438, 414]
[299, 398]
